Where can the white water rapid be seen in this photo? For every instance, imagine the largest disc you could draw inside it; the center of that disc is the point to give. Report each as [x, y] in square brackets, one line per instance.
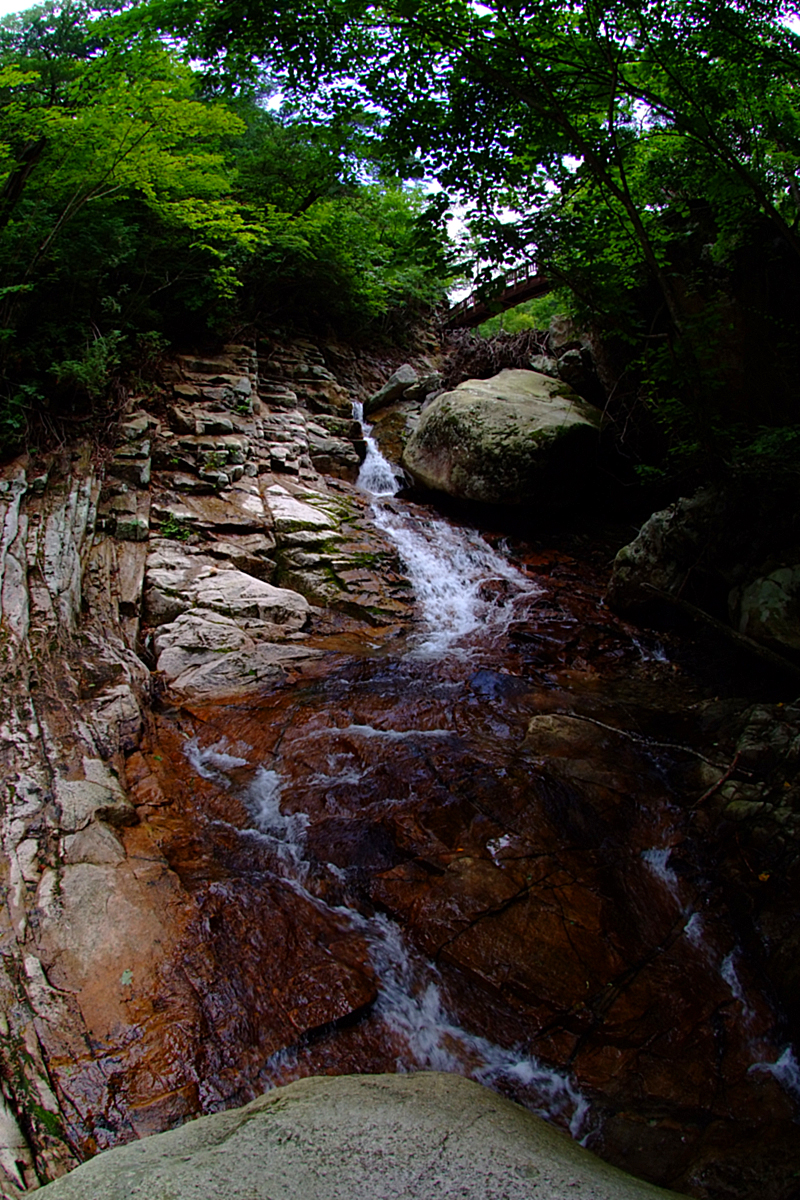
[657, 860]
[461, 584]
[786, 1070]
[376, 475]
[410, 1003]
[368, 750]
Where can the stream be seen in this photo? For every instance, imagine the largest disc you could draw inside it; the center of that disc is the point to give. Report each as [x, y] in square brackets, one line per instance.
[450, 569]
[476, 847]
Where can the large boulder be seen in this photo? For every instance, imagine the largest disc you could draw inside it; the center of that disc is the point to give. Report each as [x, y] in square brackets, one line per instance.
[403, 1136]
[666, 550]
[768, 608]
[517, 438]
[725, 546]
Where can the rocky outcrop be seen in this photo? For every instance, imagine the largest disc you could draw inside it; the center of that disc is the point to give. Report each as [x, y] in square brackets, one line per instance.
[382, 1135]
[768, 608]
[757, 805]
[518, 438]
[564, 351]
[730, 550]
[217, 818]
[74, 688]
[187, 563]
[668, 548]
[217, 629]
[397, 383]
[404, 384]
[574, 354]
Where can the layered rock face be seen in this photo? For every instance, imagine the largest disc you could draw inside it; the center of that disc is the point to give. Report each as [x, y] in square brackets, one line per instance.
[251, 831]
[339, 1139]
[518, 438]
[211, 522]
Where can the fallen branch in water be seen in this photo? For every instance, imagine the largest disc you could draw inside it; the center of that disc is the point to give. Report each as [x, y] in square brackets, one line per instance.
[716, 786]
[641, 739]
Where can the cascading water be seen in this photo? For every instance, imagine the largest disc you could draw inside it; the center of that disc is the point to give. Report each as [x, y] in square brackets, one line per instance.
[449, 567]
[657, 860]
[785, 1069]
[376, 475]
[446, 798]
[409, 1000]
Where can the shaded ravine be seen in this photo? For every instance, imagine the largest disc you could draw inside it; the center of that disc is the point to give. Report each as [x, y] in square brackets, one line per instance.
[449, 569]
[517, 836]
[489, 846]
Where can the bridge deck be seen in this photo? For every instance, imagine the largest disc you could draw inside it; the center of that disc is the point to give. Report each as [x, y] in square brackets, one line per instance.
[523, 284]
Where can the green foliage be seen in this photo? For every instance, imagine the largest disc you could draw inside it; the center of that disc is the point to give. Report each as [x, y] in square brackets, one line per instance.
[350, 260]
[636, 151]
[101, 143]
[531, 314]
[94, 369]
[175, 529]
[340, 244]
[773, 449]
[139, 206]
[13, 419]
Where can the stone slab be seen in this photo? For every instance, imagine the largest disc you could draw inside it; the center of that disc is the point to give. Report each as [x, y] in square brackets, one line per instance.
[397, 1137]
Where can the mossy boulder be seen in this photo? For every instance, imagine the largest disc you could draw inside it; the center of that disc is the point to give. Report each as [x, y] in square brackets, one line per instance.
[520, 437]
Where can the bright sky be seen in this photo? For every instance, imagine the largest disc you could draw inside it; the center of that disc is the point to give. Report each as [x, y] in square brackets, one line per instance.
[9, 6]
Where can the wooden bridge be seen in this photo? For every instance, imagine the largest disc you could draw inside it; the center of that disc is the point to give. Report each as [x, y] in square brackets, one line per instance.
[524, 283]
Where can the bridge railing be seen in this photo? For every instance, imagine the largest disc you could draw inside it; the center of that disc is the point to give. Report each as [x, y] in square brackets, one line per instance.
[499, 286]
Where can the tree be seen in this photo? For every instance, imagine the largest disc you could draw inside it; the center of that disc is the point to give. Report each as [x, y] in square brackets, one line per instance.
[344, 245]
[99, 138]
[137, 203]
[122, 123]
[539, 82]
[635, 149]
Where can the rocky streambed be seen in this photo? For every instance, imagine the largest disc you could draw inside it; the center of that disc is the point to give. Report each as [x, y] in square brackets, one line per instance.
[303, 779]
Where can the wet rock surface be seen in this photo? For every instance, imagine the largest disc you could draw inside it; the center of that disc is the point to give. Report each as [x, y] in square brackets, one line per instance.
[174, 527]
[557, 871]
[265, 818]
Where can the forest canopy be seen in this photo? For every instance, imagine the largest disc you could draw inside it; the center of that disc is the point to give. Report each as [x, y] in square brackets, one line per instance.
[141, 206]
[644, 154]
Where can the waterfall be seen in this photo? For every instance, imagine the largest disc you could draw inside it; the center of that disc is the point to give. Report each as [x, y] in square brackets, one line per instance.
[448, 566]
[657, 860]
[376, 475]
[361, 772]
[786, 1070]
[410, 1004]
[730, 975]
